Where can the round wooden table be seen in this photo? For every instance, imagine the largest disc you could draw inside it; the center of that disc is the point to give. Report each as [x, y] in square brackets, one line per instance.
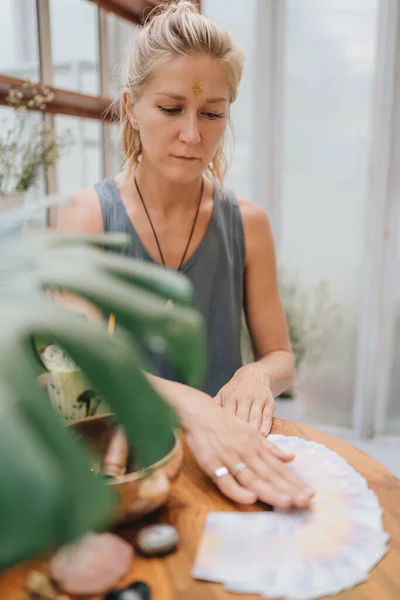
[193, 496]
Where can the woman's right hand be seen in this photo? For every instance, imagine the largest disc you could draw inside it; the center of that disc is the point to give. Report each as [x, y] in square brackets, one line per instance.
[218, 438]
[254, 467]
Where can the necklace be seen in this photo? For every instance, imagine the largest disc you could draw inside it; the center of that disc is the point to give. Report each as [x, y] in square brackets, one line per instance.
[154, 231]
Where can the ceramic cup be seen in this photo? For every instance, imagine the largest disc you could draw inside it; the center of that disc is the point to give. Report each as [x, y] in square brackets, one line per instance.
[72, 397]
[70, 392]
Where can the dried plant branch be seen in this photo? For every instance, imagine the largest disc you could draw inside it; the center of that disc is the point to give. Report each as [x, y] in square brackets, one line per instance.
[27, 151]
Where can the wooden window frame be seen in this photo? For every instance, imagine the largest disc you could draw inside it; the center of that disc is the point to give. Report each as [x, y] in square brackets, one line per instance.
[65, 102]
[130, 10]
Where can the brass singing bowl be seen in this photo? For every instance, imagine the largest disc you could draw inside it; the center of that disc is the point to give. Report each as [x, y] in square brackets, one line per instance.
[139, 492]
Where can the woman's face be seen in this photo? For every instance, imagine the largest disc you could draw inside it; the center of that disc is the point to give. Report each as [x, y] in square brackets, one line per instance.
[179, 129]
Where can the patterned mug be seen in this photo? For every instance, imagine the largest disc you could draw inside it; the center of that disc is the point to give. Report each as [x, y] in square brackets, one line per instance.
[70, 392]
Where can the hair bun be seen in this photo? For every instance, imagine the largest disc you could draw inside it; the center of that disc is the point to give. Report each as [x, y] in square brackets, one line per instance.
[171, 8]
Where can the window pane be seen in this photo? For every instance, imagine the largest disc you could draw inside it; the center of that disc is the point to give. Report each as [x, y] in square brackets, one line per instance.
[120, 34]
[330, 48]
[36, 191]
[19, 49]
[81, 164]
[393, 416]
[112, 147]
[239, 18]
[75, 45]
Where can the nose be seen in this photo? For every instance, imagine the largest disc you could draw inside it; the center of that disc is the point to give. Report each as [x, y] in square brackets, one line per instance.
[190, 131]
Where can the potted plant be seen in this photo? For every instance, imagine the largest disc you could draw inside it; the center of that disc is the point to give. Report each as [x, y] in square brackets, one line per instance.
[26, 150]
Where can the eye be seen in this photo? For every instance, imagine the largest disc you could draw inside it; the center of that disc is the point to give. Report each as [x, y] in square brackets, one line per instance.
[213, 116]
[169, 111]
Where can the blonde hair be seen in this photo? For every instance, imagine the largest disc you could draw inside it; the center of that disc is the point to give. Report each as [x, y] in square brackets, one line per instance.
[171, 30]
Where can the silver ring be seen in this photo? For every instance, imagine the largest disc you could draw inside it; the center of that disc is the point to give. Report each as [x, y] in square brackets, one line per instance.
[221, 472]
[240, 467]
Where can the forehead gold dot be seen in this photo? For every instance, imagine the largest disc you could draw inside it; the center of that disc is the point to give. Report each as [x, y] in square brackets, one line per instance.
[197, 88]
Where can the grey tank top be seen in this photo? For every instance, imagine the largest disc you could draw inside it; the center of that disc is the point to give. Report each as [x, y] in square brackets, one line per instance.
[216, 270]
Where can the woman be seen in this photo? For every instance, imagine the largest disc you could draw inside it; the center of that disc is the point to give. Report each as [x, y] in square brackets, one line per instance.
[183, 75]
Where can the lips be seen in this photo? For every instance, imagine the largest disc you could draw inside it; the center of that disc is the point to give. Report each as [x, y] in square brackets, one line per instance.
[187, 157]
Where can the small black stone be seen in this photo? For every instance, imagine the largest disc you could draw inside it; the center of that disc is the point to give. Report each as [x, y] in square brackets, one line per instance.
[135, 591]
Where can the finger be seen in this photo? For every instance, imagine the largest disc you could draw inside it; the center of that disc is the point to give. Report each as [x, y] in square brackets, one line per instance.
[228, 484]
[243, 409]
[270, 468]
[256, 413]
[266, 491]
[275, 476]
[233, 490]
[266, 419]
[279, 470]
[265, 476]
[228, 403]
[283, 455]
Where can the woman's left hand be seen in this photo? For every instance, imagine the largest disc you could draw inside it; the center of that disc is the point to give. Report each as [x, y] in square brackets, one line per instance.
[248, 395]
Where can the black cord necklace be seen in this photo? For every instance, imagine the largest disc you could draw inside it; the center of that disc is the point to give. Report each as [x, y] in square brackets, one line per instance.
[154, 231]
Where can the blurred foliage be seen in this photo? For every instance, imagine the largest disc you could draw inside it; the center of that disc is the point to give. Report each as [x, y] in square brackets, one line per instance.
[48, 495]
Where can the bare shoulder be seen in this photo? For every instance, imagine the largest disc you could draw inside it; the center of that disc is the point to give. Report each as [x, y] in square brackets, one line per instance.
[255, 220]
[258, 238]
[82, 214]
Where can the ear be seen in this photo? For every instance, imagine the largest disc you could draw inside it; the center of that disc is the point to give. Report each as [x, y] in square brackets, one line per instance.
[130, 109]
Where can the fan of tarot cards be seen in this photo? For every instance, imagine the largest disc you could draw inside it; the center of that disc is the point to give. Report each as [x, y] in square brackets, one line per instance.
[298, 554]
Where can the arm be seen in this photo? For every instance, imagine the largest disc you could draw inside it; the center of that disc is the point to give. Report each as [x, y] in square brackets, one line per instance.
[264, 310]
[250, 393]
